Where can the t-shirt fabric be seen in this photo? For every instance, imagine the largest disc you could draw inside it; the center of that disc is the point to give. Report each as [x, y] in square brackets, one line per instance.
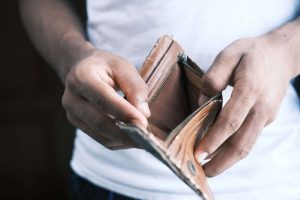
[203, 27]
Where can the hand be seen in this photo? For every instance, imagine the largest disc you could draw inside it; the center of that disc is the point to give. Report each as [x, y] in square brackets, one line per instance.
[92, 103]
[259, 70]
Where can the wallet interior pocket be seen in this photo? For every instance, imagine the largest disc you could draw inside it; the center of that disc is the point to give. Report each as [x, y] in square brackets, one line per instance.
[175, 98]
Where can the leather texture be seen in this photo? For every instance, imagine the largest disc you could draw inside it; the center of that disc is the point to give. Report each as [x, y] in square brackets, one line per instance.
[177, 122]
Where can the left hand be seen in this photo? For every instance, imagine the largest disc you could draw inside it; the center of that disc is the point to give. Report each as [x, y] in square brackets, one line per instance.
[259, 69]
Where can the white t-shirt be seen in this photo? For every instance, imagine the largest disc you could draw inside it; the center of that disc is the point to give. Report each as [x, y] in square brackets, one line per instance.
[203, 27]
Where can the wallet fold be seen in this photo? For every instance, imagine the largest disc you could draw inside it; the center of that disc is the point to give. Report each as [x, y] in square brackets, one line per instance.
[177, 122]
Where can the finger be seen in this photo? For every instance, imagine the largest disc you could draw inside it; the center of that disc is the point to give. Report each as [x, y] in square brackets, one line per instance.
[113, 144]
[78, 123]
[96, 123]
[133, 86]
[230, 119]
[238, 146]
[105, 98]
[219, 74]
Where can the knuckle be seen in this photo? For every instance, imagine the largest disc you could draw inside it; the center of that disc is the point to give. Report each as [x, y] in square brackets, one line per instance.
[244, 41]
[263, 114]
[239, 151]
[231, 125]
[246, 101]
[225, 54]
[267, 112]
[242, 152]
[72, 79]
[250, 86]
[122, 62]
[255, 44]
[65, 102]
[239, 41]
[247, 86]
[128, 63]
[71, 84]
[272, 117]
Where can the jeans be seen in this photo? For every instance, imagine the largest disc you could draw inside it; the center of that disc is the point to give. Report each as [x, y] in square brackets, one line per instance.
[82, 189]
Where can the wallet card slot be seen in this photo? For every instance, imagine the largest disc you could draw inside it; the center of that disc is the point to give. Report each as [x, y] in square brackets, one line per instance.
[162, 45]
[158, 64]
[162, 71]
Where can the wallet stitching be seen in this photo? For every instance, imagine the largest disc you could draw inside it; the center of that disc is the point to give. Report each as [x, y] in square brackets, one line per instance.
[158, 63]
[158, 66]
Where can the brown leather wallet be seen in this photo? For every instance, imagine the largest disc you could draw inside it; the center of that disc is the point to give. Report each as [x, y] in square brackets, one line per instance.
[177, 122]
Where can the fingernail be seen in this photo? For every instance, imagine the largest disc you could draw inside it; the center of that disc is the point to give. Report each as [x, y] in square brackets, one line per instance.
[202, 99]
[202, 156]
[145, 109]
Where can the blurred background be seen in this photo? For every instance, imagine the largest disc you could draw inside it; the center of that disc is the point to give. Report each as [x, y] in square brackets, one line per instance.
[36, 138]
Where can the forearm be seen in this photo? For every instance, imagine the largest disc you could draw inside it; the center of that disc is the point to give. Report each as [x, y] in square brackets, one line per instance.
[56, 32]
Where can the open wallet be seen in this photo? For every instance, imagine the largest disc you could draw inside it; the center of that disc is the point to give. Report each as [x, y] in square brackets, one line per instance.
[177, 122]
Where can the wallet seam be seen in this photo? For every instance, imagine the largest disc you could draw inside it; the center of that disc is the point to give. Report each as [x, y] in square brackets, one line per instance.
[165, 61]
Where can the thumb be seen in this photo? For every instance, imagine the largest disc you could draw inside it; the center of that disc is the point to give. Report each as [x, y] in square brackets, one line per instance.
[133, 86]
[219, 74]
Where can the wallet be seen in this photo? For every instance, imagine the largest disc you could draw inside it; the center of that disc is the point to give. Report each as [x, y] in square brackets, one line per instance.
[177, 122]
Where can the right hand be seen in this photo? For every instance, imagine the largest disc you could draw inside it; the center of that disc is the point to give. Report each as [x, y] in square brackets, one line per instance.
[92, 103]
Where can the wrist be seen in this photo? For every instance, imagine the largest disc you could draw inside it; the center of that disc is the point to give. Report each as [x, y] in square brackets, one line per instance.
[74, 48]
[286, 39]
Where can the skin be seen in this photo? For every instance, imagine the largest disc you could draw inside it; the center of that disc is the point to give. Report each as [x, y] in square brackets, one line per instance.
[90, 75]
[258, 68]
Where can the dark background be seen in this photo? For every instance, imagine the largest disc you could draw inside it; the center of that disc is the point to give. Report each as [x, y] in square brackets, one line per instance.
[36, 138]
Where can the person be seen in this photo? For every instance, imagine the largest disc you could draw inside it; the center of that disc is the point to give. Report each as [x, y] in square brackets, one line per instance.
[251, 45]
